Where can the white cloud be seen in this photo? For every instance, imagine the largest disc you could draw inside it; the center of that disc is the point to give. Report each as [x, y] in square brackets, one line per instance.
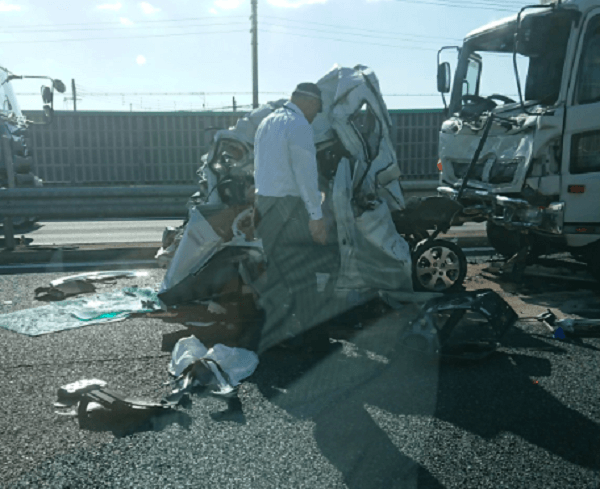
[214, 11]
[5, 7]
[110, 6]
[125, 21]
[228, 4]
[140, 60]
[294, 3]
[148, 9]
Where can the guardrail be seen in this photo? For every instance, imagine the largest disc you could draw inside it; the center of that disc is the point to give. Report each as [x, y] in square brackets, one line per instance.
[95, 202]
[114, 202]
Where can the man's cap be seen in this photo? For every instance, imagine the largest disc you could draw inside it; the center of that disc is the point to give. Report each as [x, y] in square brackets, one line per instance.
[308, 89]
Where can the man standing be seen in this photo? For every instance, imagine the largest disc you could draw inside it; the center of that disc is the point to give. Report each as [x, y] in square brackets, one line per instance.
[289, 219]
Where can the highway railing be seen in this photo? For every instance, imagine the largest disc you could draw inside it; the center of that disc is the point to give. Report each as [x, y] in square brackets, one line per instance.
[114, 202]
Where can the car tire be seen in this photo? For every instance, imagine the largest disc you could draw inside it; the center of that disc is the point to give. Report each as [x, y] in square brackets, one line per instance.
[438, 266]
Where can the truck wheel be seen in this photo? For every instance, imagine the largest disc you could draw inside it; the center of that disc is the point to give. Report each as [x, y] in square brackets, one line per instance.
[592, 258]
[438, 266]
[505, 242]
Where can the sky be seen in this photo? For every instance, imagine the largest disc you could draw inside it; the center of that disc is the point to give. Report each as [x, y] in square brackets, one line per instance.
[178, 55]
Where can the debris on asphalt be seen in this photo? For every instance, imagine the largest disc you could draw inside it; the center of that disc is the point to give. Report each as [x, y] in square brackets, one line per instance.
[467, 325]
[71, 393]
[222, 367]
[75, 313]
[170, 241]
[80, 284]
[106, 410]
[580, 327]
[569, 326]
[200, 324]
[215, 308]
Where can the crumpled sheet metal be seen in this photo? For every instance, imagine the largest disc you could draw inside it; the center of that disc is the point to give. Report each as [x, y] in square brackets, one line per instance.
[81, 283]
[373, 255]
[198, 244]
[436, 331]
[343, 92]
[75, 313]
[228, 365]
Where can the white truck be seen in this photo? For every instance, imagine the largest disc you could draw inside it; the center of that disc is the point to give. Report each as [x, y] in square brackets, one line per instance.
[527, 161]
[16, 162]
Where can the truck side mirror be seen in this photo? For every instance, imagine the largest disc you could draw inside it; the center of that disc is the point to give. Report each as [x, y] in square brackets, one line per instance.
[443, 77]
[48, 114]
[47, 95]
[59, 86]
[48, 108]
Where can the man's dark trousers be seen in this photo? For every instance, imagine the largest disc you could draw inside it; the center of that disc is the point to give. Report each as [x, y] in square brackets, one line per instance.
[290, 296]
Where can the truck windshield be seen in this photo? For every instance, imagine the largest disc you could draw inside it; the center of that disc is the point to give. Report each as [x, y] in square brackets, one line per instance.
[10, 106]
[487, 58]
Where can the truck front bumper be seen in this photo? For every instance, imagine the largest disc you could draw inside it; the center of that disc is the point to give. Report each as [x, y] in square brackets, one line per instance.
[511, 213]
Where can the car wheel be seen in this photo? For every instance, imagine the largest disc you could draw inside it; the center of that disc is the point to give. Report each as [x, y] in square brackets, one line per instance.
[438, 266]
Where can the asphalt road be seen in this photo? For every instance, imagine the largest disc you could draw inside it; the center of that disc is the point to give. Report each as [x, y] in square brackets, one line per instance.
[102, 231]
[360, 412]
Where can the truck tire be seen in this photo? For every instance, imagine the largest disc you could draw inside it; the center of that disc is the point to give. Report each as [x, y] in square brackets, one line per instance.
[591, 256]
[505, 242]
[438, 266]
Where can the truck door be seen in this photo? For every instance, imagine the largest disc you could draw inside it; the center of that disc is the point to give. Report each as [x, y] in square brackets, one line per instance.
[580, 188]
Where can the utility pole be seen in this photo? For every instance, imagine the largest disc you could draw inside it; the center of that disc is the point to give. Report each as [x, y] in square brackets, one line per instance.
[254, 55]
[234, 104]
[74, 90]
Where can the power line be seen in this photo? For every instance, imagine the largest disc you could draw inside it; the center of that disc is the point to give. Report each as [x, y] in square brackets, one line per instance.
[124, 37]
[470, 6]
[437, 41]
[123, 27]
[162, 94]
[27, 26]
[353, 28]
[177, 94]
[398, 46]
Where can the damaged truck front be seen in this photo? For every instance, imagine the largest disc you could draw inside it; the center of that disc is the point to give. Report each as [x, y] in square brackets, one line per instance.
[527, 160]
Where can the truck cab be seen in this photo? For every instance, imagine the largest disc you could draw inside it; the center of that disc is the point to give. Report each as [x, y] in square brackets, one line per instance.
[16, 156]
[526, 158]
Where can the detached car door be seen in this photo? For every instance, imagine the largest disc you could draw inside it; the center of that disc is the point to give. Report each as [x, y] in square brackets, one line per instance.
[580, 188]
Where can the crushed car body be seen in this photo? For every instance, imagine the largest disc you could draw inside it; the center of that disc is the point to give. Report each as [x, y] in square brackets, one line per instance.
[358, 173]
[381, 245]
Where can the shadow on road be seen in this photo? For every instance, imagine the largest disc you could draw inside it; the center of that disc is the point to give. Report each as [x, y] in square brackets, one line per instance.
[341, 392]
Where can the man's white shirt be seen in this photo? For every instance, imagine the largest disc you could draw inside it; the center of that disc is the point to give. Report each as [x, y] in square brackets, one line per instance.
[285, 161]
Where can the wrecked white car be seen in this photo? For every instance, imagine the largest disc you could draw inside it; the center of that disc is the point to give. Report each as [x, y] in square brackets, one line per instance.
[526, 160]
[380, 242]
